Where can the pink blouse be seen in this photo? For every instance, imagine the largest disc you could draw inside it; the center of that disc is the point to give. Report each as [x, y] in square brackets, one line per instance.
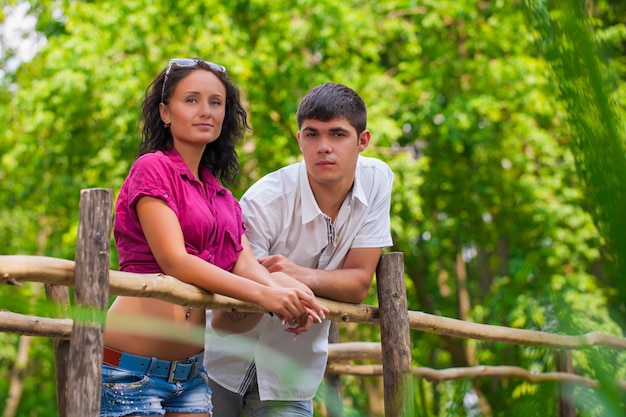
[210, 217]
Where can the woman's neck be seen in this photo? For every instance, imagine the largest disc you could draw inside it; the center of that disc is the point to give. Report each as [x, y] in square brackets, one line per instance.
[192, 155]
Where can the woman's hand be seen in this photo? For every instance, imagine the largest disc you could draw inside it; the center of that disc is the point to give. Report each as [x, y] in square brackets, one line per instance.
[292, 305]
[314, 314]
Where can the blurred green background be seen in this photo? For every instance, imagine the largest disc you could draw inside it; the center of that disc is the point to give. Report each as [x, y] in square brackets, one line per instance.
[502, 120]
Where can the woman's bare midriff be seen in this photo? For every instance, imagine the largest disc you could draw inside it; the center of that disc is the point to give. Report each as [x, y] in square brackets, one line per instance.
[154, 328]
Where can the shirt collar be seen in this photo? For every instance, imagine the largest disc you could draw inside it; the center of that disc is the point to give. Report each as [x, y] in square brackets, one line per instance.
[178, 162]
[206, 176]
[310, 209]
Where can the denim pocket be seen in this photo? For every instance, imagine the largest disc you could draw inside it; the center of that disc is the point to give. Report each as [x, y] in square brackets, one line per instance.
[121, 379]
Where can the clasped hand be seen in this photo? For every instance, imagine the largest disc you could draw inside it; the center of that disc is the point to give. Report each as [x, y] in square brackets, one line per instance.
[313, 314]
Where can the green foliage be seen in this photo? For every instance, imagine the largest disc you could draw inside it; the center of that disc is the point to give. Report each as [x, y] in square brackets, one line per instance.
[39, 396]
[499, 194]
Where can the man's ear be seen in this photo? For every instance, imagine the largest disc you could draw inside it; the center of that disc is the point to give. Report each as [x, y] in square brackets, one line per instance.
[364, 140]
[298, 138]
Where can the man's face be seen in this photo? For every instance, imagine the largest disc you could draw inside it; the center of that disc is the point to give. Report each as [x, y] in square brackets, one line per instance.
[330, 150]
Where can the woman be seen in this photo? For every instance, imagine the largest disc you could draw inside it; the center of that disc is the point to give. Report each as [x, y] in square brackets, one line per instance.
[174, 217]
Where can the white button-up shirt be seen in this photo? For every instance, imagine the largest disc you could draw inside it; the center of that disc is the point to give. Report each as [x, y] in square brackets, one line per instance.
[282, 217]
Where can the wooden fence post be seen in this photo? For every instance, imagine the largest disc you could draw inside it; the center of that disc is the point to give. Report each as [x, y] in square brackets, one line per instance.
[395, 336]
[59, 296]
[91, 301]
[565, 393]
[334, 404]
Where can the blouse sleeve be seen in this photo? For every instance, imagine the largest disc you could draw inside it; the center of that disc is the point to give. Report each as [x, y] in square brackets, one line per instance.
[151, 176]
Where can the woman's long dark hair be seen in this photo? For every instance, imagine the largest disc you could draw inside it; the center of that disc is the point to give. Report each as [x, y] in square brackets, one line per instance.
[219, 156]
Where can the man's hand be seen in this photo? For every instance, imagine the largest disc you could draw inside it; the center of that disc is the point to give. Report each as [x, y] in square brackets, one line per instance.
[301, 327]
[283, 280]
[280, 263]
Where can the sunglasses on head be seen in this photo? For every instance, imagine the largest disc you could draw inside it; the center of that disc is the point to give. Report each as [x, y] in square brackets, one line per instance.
[187, 63]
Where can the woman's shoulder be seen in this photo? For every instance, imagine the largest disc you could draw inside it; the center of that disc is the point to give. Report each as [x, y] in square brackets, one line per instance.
[154, 161]
[150, 158]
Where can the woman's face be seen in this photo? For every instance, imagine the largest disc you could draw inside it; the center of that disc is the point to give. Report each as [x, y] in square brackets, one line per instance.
[196, 108]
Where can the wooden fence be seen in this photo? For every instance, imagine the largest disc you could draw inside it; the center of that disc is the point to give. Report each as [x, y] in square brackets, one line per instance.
[79, 340]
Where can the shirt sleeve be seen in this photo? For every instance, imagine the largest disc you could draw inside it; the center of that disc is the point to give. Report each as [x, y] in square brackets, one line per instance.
[151, 176]
[376, 231]
[257, 219]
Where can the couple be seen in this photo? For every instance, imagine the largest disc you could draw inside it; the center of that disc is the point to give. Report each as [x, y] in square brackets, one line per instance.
[314, 228]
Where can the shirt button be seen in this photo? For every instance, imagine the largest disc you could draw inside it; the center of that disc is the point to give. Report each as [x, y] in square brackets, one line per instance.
[166, 195]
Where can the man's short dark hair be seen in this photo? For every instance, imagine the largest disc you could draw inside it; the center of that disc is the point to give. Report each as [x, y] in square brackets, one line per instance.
[329, 101]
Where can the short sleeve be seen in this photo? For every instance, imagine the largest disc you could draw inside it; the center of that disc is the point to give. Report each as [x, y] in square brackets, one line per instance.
[151, 175]
[377, 177]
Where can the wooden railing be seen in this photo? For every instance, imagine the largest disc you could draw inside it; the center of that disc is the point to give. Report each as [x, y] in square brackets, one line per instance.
[79, 340]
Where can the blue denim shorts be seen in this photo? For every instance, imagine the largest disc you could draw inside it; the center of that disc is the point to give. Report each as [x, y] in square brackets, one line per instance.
[134, 393]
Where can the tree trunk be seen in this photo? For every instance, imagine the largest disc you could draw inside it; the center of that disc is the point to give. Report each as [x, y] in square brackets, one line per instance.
[16, 377]
[460, 273]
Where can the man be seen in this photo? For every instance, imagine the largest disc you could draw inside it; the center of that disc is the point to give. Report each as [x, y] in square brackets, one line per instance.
[322, 221]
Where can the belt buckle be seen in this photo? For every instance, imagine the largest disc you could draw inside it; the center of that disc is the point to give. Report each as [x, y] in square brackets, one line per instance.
[170, 375]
